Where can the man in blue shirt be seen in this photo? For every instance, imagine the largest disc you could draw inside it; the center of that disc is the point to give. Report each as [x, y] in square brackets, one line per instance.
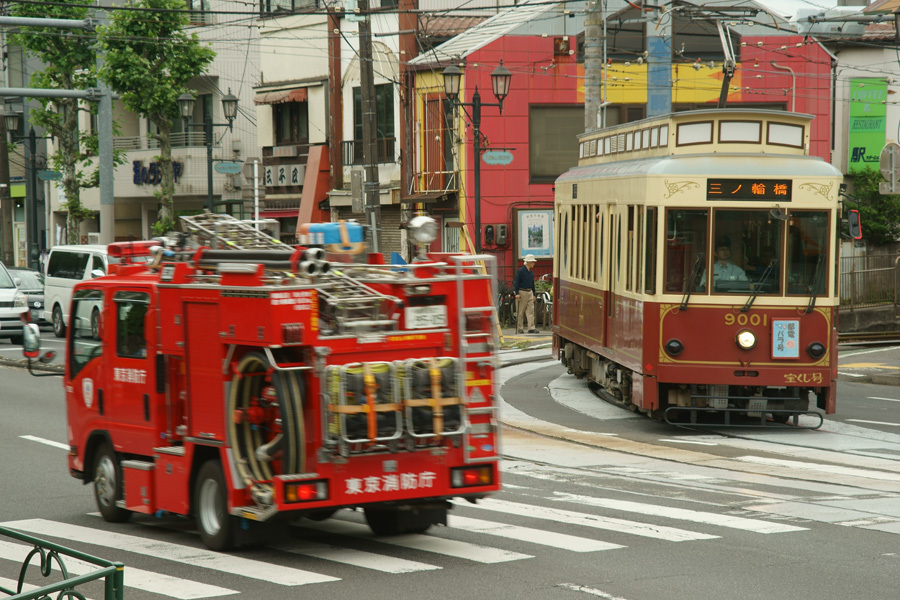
[723, 269]
[524, 288]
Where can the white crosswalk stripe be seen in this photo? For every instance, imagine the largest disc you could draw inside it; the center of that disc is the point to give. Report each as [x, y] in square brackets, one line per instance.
[197, 557]
[426, 543]
[140, 579]
[696, 516]
[670, 534]
[356, 558]
[528, 534]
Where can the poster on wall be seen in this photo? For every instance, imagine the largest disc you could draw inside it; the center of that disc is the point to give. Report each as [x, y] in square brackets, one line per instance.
[865, 129]
[535, 232]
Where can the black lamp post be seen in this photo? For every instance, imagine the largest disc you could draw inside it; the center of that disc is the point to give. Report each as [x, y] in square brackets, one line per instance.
[229, 108]
[12, 125]
[500, 80]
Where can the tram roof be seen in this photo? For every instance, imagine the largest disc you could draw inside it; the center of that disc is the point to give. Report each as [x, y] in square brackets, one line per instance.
[708, 165]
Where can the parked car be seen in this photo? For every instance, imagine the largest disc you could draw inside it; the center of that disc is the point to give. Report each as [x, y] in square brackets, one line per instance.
[12, 304]
[32, 285]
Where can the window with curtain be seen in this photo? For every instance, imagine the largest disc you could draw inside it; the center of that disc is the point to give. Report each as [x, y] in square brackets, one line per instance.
[552, 140]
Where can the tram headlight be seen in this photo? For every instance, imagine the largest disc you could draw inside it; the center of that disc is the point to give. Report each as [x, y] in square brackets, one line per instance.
[816, 350]
[674, 347]
[746, 339]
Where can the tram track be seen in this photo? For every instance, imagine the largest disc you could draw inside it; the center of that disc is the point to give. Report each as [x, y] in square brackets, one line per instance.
[869, 338]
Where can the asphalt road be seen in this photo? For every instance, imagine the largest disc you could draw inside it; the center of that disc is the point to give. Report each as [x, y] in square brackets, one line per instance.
[597, 503]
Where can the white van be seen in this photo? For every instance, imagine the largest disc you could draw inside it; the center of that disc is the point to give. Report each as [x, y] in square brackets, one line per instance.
[66, 266]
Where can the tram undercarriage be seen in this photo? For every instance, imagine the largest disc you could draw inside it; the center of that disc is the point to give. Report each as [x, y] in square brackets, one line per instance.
[698, 404]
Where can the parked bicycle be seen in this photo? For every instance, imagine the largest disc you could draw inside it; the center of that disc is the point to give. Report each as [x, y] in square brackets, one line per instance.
[506, 305]
[543, 302]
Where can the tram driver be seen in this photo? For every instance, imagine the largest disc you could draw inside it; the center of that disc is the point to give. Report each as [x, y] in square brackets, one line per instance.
[725, 271]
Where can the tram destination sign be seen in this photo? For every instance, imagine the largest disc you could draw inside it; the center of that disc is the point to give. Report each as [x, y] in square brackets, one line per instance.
[749, 189]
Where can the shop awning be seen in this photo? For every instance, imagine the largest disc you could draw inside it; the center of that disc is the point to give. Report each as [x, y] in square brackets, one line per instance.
[429, 197]
[282, 96]
[279, 214]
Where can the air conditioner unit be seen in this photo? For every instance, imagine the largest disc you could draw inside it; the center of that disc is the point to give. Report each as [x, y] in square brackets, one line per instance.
[93, 237]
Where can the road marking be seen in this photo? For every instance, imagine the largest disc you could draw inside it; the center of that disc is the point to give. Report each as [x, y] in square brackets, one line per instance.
[45, 441]
[888, 399]
[592, 591]
[687, 441]
[426, 543]
[851, 374]
[528, 534]
[874, 422]
[356, 558]
[198, 557]
[157, 583]
[695, 516]
[670, 534]
[833, 469]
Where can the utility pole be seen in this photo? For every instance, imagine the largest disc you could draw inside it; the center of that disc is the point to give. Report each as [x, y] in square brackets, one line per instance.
[593, 67]
[7, 254]
[369, 131]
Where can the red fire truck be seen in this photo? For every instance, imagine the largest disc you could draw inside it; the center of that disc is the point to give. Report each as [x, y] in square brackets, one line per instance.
[233, 378]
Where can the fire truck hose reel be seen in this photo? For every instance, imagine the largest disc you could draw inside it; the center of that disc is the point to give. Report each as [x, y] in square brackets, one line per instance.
[257, 446]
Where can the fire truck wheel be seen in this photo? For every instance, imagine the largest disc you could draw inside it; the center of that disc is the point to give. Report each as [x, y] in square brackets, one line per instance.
[95, 324]
[59, 326]
[211, 507]
[108, 485]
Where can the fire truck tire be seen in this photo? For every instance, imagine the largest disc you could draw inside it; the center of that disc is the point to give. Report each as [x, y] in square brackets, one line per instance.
[217, 527]
[108, 484]
[95, 324]
[59, 325]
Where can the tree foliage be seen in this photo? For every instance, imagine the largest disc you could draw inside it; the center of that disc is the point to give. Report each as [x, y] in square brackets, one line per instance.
[880, 214]
[69, 56]
[148, 60]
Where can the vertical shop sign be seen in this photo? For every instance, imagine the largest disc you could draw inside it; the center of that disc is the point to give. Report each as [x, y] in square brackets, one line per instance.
[865, 134]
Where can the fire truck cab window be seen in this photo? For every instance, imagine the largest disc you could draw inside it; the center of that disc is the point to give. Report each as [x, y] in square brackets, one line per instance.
[807, 250]
[685, 245]
[84, 340]
[131, 310]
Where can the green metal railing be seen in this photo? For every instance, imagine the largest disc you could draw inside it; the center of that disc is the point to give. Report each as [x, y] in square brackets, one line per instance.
[113, 573]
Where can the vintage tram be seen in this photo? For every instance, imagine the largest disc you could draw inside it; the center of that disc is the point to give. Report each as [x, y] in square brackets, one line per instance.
[695, 268]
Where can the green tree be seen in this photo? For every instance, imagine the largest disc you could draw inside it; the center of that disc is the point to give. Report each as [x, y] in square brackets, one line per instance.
[879, 214]
[148, 60]
[69, 56]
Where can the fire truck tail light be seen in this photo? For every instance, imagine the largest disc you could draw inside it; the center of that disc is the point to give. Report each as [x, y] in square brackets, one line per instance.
[292, 333]
[471, 476]
[305, 491]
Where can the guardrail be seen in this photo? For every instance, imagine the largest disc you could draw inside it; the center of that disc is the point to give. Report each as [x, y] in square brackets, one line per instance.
[870, 280]
[50, 556]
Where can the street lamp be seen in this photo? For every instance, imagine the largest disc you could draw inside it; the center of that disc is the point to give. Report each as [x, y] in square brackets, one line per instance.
[500, 80]
[229, 109]
[12, 120]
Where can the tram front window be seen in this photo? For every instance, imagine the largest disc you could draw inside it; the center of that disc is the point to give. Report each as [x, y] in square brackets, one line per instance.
[686, 253]
[808, 252]
[747, 253]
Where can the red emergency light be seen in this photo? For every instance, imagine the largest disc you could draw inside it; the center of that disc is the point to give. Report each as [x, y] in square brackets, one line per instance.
[129, 249]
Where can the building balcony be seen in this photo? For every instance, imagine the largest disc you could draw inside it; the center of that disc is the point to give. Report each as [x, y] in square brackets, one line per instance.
[352, 151]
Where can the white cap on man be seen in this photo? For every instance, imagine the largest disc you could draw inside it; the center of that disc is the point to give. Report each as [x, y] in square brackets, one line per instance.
[529, 258]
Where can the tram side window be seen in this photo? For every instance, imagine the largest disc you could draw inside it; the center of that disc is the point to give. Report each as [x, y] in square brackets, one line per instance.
[746, 252]
[84, 337]
[685, 245]
[650, 253]
[808, 252]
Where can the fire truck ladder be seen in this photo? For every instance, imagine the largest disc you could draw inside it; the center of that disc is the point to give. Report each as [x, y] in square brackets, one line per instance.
[477, 346]
[225, 231]
[352, 307]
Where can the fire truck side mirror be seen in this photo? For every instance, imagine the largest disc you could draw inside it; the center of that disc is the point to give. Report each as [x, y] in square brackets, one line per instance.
[855, 224]
[32, 336]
